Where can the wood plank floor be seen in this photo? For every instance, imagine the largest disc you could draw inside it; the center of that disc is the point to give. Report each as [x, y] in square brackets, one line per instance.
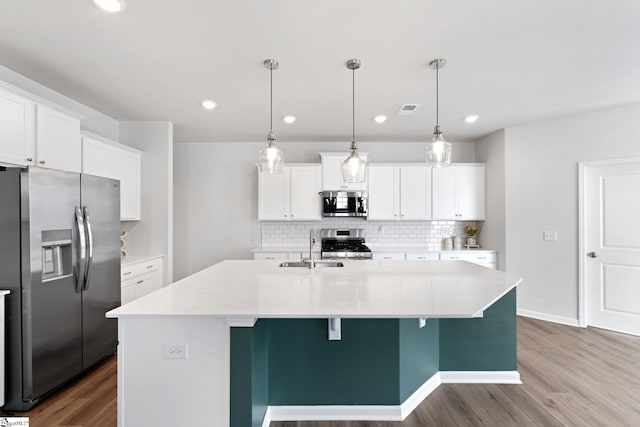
[571, 377]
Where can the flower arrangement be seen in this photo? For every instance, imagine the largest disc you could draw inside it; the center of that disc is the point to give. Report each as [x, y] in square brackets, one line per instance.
[471, 230]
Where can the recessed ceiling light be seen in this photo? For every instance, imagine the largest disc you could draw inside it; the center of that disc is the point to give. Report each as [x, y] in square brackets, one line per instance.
[111, 5]
[208, 104]
[472, 118]
[289, 119]
[380, 118]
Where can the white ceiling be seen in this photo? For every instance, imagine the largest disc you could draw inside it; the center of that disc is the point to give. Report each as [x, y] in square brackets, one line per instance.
[509, 61]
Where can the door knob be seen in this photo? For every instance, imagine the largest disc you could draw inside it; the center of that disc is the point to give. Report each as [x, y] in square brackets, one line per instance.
[592, 255]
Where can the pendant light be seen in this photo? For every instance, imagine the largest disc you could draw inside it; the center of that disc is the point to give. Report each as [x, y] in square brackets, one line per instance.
[438, 153]
[271, 158]
[354, 167]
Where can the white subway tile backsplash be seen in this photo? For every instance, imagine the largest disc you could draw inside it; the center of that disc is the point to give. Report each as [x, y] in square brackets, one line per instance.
[386, 233]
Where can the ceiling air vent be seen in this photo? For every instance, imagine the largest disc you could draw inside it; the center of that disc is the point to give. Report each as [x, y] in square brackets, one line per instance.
[406, 109]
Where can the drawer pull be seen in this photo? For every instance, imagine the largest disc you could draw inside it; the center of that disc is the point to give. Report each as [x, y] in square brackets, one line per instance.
[270, 257]
[139, 281]
[482, 257]
[126, 273]
[422, 257]
[454, 257]
[388, 257]
[150, 266]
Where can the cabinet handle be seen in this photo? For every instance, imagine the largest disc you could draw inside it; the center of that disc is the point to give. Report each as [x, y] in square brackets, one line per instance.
[285, 215]
[41, 162]
[422, 257]
[269, 257]
[482, 257]
[126, 273]
[453, 257]
[29, 159]
[139, 281]
[150, 266]
[387, 257]
[291, 215]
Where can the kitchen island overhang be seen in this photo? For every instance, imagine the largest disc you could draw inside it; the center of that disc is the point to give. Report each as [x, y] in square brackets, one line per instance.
[243, 371]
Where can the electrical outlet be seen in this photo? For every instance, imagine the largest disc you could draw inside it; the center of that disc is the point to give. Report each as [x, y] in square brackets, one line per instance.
[550, 235]
[176, 351]
[422, 322]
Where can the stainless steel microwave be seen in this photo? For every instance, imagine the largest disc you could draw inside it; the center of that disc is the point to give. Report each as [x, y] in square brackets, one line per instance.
[344, 203]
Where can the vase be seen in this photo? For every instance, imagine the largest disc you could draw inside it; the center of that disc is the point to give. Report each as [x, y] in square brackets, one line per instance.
[471, 240]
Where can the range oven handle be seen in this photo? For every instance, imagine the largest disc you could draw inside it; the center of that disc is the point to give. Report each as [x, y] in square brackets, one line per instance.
[82, 251]
[87, 223]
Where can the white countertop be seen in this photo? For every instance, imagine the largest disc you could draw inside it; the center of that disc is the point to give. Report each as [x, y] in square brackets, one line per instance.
[374, 248]
[4, 292]
[360, 289]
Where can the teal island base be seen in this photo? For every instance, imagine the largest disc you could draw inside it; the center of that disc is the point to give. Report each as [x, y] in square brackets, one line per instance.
[287, 369]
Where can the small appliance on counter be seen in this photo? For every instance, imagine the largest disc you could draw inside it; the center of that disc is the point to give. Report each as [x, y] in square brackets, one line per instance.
[344, 203]
[344, 244]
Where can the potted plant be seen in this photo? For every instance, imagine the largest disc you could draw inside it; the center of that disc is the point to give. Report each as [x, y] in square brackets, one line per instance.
[471, 231]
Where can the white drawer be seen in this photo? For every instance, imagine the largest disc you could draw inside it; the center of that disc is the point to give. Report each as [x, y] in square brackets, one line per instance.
[271, 255]
[429, 256]
[480, 258]
[136, 269]
[388, 255]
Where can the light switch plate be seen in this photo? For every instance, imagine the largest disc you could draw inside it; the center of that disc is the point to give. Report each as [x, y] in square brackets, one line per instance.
[550, 235]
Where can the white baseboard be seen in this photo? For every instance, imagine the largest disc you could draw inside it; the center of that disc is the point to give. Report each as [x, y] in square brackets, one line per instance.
[480, 377]
[549, 317]
[386, 412]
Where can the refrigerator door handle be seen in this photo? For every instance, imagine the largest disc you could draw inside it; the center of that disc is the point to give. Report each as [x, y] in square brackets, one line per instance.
[82, 250]
[87, 223]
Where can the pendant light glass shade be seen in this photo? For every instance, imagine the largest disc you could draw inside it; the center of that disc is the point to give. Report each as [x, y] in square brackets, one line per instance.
[354, 167]
[271, 158]
[438, 153]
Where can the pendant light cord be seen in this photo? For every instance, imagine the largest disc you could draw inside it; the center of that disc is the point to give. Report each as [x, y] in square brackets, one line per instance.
[353, 104]
[271, 98]
[437, 95]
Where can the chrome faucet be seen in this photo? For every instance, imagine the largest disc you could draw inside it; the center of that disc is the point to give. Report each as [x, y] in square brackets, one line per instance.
[312, 241]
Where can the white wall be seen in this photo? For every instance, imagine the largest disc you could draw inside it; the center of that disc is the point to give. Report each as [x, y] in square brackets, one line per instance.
[542, 194]
[94, 121]
[491, 233]
[153, 234]
[216, 193]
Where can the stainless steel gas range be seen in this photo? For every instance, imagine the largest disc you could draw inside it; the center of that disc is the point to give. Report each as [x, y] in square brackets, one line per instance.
[344, 244]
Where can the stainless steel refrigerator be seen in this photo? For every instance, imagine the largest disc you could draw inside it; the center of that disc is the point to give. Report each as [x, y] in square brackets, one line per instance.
[60, 258]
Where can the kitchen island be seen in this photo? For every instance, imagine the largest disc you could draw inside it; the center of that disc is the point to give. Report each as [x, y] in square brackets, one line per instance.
[244, 342]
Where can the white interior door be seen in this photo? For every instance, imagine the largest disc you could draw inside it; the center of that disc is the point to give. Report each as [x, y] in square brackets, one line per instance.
[612, 246]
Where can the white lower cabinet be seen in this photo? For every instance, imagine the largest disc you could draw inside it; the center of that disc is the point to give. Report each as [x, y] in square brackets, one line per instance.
[285, 256]
[427, 256]
[140, 278]
[388, 255]
[484, 258]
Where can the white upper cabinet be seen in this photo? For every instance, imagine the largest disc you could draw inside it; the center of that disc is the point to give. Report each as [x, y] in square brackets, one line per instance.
[415, 192]
[459, 192]
[110, 159]
[17, 129]
[384, 193]
[332, 173]
[58, 143]
[273, 196]
[305, 186]
[291, 195]
[399, 192]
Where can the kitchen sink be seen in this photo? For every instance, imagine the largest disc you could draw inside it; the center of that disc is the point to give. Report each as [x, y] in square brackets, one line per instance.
[317, 264]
